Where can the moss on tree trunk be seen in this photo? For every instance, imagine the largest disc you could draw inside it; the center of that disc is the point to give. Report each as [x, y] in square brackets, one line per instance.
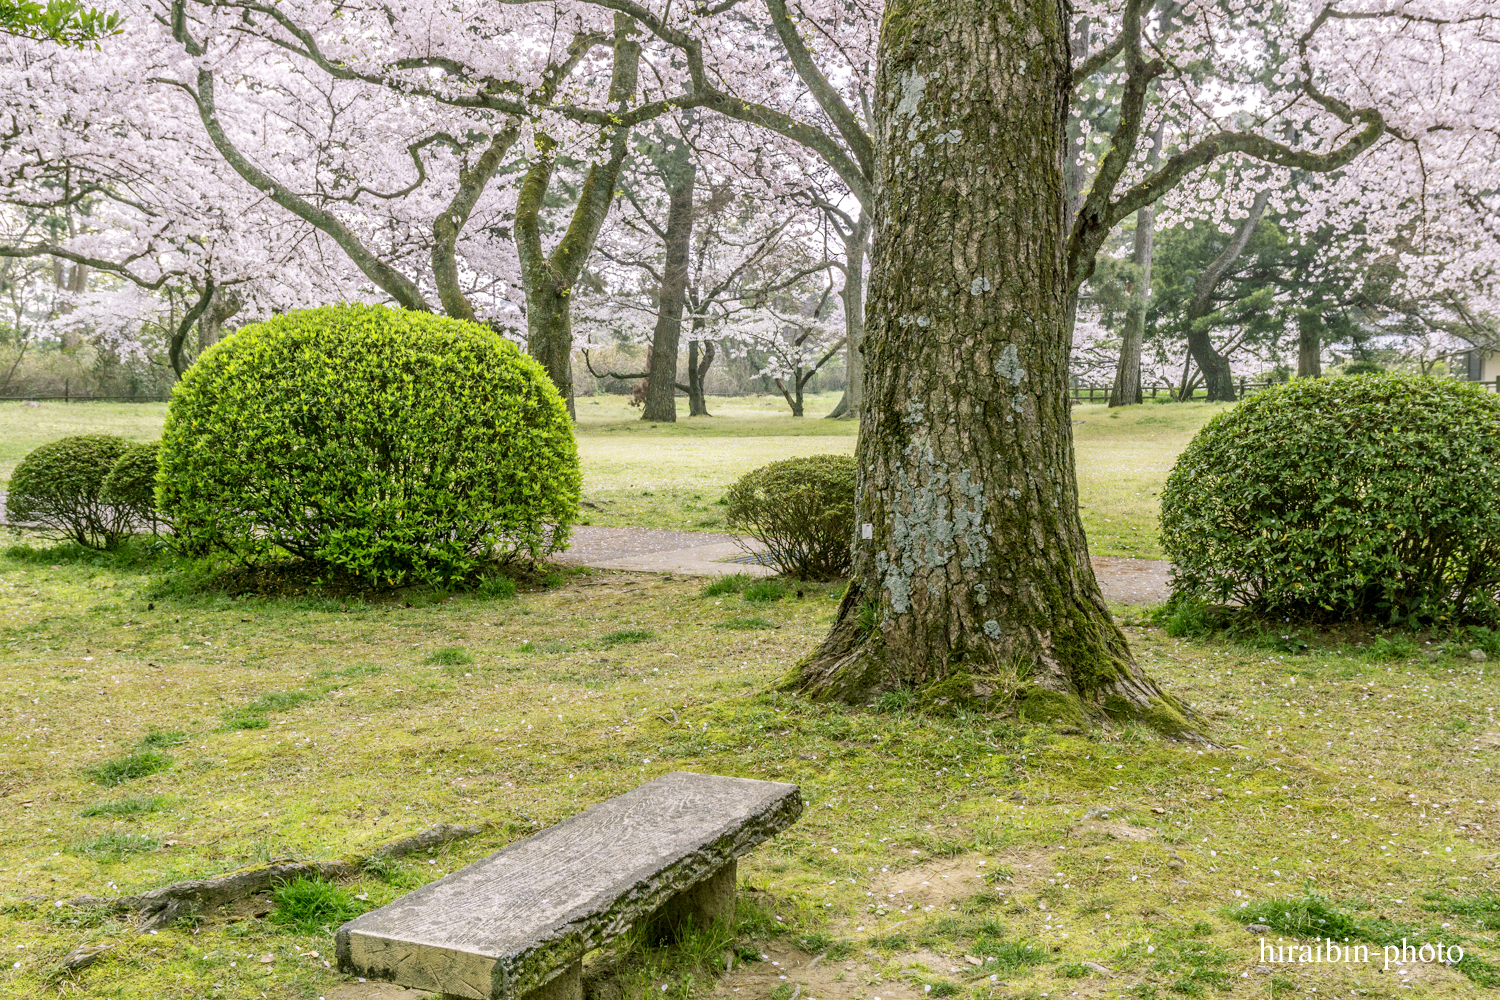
[971, 577]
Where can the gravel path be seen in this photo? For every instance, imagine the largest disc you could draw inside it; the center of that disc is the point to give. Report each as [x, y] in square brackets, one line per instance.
[692, 553]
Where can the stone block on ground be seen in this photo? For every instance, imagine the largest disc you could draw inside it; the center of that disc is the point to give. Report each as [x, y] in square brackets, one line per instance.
[508, 925]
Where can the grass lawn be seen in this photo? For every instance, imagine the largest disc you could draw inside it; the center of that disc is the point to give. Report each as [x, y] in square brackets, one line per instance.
[156, 729]
[259, 728]
[672, 475]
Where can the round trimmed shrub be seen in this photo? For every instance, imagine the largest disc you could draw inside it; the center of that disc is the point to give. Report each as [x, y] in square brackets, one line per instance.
[802, 510]
[61, 487]
[131, 484]
[1373, 498]
[392, 446]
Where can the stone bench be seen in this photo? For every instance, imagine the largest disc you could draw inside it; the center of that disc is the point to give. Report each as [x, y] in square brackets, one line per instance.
[518, 923]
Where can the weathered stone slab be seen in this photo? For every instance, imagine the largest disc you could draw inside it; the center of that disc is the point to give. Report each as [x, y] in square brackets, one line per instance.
[509, 924]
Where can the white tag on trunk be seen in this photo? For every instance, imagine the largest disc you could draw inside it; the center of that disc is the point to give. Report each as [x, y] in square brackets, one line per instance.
[867, 530]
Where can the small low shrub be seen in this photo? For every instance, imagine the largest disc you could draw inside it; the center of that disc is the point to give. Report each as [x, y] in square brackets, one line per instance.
[60, 486]
[1368, 498]
[279, 701]
[392, 447]
[1390, 648]
[802, 511]
[239, 718]
[1186, 617]
[131, 485]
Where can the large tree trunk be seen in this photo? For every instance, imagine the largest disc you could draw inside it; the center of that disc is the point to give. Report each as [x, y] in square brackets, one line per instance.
[1217, 375]
[1218, 378]
[1309, 348]
[222, 306]
[697, 372]
[856, 244]
[661, 380]
[1127, 387]
[971, 578]
[549, 334]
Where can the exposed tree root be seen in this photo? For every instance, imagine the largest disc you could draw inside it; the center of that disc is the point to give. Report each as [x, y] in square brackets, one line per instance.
[160, 907]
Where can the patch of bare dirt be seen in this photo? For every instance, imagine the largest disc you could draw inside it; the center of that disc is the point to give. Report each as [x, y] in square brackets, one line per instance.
[938, 885]
[813, 977]
[943, 882]
[1132, 581]
[1116, 829]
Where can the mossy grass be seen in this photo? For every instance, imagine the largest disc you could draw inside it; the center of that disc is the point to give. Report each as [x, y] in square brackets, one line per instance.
[746, 623]
[117, 844]
[1305, 732]
[626, 637]
[134, 805]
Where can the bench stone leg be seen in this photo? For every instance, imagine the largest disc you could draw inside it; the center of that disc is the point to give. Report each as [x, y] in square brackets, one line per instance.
[704, 903]
[567, 986]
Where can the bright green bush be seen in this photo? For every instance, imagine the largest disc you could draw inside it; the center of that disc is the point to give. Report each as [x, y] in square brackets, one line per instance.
[60, 486]
[393, 446]
[1369, 498]
[802, 510]
[131, 484]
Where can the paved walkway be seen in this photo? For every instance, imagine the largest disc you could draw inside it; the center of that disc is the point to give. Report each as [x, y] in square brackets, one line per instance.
[692, 553]
[653, 550]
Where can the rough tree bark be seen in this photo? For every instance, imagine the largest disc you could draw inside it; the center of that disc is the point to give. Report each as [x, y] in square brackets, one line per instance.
[1309, 348]
[1217, 375]
[222, 305]
[1127, 387]
[176, 346]
[548, 278]
[661, 373]
[697, 372]
[971, 579]
[856, 245]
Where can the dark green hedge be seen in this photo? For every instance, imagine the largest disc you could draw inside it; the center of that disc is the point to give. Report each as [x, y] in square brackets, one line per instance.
[1375, 497]
[392, 445]
[60, 486]
[802, 510]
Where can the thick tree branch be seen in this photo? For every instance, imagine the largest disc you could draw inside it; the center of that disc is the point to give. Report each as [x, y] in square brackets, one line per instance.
[122, 268]
[828, 98]
[450, 222]
[589, 364]
[388, 279]
[1203, 289]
